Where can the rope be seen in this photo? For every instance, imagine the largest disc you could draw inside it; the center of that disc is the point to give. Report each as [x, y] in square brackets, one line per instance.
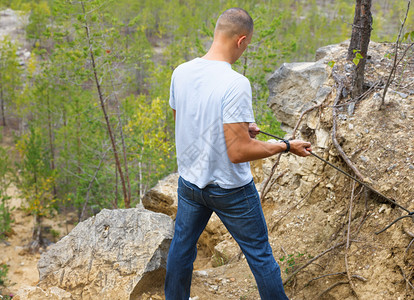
[410, 213]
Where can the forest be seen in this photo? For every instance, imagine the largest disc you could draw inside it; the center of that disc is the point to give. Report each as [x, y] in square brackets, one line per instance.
[88, 111]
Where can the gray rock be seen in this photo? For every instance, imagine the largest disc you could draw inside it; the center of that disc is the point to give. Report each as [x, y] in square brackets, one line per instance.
[294, 87]
[402, 95]
[322, 138]
[392, 167]
[113, 255]
[163, 197]
[224, 252]
[34, 292]
[327, 51]
[12, 24]
[351, 108]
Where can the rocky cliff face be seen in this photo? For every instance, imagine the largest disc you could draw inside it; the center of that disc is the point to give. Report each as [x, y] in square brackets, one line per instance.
[309, 209]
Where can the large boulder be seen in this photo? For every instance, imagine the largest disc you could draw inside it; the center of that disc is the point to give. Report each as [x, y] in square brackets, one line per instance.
[295, 87]
[116, 254]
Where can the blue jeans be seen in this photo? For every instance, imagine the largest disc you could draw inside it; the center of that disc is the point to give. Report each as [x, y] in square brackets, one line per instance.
[241, 212]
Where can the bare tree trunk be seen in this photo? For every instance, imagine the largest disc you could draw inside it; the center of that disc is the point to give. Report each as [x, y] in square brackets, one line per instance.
[141, 186]
[52, 148]
[121, 131]
[361, 35]
[396, 61]
[78, 141]
[66, 149]
[102, 102]
[37, 238]
[3, 116]
[82, 215]
[115, 205]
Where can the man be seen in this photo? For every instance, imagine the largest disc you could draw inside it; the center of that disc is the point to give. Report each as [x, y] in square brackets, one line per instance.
[215, 141]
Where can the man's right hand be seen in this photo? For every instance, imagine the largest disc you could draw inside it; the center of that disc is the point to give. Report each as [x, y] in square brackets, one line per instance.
[300, 148]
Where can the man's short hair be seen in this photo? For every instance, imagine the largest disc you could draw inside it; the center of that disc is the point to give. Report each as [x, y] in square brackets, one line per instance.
[235, 21]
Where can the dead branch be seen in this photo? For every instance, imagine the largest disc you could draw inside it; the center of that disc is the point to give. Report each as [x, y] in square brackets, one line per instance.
[323, 276]
[284, 251]
[334, 125]
[302, 115]
[406, 250]
[394, 67]
[348, 243]
[294, 206]
[270, 176]
[312, 260]
[407, 280]
[408, 232]
[372, 87]
[331, 287]
[360, 277]
[273, 181]
[81, 218]
[365, 215]
[405, 53]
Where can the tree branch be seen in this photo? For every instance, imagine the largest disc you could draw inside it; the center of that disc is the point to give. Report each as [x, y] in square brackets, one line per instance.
[394, 67]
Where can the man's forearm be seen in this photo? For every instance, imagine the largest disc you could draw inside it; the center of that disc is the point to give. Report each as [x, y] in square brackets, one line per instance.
[255, 149]
[242, 148]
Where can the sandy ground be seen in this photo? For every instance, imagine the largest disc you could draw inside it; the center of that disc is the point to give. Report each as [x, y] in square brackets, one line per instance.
[22, 265]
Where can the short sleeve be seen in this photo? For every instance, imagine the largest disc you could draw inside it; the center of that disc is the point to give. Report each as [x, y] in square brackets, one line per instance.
[237, 102]
[172, 99]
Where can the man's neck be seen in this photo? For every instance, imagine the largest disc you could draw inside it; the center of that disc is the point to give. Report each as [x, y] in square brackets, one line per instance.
[219, 52]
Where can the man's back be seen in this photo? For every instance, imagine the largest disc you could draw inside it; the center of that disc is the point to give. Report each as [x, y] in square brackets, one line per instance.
[206, 94]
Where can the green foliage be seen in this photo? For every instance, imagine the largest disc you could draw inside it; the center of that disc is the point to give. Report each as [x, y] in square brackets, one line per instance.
[5, 216]
[409, 36]
[39, 13]
[37, 179]
[6, 175]
[291, 262]
[3, 274]
[10, 77]
[357, 57]
[6, 297]
[6, 171]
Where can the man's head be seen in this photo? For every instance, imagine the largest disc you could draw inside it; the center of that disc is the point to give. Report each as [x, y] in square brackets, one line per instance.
[233, 32]
[234, 21]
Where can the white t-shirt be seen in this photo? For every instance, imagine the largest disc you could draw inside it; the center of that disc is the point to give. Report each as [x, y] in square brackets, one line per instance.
[207, 94]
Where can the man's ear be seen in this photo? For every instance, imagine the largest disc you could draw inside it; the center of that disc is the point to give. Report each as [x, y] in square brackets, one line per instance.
[240, 40]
